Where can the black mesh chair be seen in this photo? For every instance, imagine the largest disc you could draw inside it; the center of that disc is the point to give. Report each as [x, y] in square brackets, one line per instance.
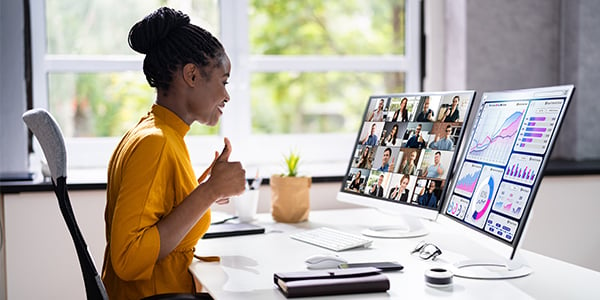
[48, 133]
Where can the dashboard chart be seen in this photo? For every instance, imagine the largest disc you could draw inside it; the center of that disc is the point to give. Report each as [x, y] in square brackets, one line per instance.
[481, 203]
[539, 124]
[523, 168]
[468, 179]
[511, 199]
[496, 132]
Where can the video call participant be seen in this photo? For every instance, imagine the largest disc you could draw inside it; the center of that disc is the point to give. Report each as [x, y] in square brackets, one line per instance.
[409, 165]
[377, 114]
[436, 169]
[426, 115]
[427, 196]
[400, 192]
[371, 139]
[355, 184]
[363, 161]
[391, 138]
[453, 114]
[443, 143]
[416, 140]
[156, 209]
[402, 112]
[377, 188]
[386, 166]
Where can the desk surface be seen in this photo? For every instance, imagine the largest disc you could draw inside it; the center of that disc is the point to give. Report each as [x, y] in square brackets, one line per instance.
[248, 263]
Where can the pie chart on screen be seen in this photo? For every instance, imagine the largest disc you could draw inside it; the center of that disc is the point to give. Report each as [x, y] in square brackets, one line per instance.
[484, 199]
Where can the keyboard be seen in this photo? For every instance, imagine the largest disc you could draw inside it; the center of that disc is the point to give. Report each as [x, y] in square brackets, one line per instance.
[332, 239]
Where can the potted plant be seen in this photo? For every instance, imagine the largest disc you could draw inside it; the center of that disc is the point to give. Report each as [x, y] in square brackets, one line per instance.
[290, 193]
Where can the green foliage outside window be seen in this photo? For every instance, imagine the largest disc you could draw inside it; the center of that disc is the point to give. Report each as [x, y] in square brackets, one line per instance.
[107, 104]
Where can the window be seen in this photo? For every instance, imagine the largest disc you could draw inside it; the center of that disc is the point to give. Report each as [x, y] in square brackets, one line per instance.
[302, 72]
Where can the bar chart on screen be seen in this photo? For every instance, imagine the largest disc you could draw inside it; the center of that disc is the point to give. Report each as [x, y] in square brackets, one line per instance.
[538, 126]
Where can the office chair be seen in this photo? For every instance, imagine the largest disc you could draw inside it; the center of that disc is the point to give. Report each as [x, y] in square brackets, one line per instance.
[46, 130]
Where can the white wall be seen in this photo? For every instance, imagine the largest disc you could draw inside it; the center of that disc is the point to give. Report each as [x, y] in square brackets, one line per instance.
[37, 241]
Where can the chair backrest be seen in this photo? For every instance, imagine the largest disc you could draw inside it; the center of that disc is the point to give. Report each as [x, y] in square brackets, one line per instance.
[48, 133]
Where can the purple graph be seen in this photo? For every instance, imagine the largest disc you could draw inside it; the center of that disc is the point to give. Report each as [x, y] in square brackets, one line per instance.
[495, 133]
[519, 172]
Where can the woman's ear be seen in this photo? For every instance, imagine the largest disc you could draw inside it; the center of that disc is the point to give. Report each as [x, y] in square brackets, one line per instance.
[190, 74]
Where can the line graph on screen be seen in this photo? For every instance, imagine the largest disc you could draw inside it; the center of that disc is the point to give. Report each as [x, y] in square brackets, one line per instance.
[493, 140]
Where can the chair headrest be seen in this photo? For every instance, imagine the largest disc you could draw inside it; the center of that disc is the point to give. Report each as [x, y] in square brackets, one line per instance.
[48, 133]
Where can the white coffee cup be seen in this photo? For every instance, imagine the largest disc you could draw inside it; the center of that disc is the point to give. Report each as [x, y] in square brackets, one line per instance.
[246, 205]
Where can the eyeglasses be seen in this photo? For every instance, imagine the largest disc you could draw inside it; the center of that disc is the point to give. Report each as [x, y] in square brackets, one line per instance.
[427, 250]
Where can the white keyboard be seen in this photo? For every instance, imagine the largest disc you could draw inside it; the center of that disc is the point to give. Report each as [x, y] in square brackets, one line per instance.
[332, 239]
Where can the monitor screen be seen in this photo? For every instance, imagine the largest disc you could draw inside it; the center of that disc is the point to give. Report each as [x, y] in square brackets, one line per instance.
[504, 156]
[405, 150]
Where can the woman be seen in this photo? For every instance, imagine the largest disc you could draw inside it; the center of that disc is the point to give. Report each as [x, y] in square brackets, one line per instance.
[355, 184]
[453, 114]
[408, 165]
[156, 209]
[404, 110]
[363, 161]
[400, 192]
[392, 137]
[401, 112]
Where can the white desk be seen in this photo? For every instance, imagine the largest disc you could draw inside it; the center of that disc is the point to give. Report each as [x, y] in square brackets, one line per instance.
[248, 263]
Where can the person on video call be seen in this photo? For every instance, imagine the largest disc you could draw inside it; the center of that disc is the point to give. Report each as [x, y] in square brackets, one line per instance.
[386, 166]
[377, 188]
[427, 197]
[443, 143]
[156, 209]
[363, 161]
[402, 112]
[355, 184]
[426, 115]
[400, 192]
[391, 138]
[436, 169]
[416, 140]
[377, 114]
[452, 114]
[409, 165]
[371, 139]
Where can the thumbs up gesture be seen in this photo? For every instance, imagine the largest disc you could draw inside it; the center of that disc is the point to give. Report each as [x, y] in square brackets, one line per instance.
[227, 178]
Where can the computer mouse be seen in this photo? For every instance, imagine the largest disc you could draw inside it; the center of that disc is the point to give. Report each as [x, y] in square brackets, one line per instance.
[324, 261]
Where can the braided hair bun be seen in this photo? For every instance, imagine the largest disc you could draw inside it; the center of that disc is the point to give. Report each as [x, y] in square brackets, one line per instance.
[154, 28]
[170, 41]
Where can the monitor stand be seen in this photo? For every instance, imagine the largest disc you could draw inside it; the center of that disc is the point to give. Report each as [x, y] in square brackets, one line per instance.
[488, 269]
[412, 227]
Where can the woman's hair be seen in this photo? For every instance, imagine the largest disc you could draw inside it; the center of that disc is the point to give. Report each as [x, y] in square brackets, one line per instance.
[406, 176]
[169, 41]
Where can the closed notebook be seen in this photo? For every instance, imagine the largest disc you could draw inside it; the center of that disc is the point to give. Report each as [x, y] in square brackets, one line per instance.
[331, 282]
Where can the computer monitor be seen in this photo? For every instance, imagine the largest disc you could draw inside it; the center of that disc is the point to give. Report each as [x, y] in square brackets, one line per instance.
[500, 170]
[403, 156]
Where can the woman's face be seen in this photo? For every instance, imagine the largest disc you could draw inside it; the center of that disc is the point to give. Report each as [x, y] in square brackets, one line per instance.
[404, 183]
[413, 155]
[394, 129]
[211, 94]
[403, 103]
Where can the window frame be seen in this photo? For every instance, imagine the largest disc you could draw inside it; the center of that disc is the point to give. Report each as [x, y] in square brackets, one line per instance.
[322, 154]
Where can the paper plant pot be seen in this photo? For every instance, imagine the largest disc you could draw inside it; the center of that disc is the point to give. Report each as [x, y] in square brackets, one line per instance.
[290, 198]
